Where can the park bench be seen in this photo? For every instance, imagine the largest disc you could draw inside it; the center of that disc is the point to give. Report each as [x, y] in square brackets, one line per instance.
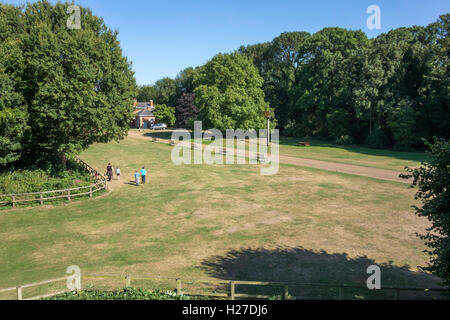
[223, 151]
[261, 157]
[154, 139]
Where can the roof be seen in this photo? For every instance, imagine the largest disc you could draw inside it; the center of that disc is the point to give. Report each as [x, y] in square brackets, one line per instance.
[145, 113]
[143, 105]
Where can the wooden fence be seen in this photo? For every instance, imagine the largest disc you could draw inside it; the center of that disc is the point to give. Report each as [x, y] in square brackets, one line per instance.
[19, 289]
[232, 293]
[69, 194]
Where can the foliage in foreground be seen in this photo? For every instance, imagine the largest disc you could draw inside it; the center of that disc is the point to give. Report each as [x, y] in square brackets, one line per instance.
[125, 294]
[433, 180]
[49, 177]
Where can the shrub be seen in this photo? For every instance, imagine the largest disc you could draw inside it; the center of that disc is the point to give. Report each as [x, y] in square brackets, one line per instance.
[125, 294]
[377, 139]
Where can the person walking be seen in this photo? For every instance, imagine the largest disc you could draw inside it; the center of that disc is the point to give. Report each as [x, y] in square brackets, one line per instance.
[143, 175]
[109, 171]
[118, 173]
[136, 177]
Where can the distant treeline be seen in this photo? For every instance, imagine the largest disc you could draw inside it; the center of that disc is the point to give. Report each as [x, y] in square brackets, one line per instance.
[390, 91]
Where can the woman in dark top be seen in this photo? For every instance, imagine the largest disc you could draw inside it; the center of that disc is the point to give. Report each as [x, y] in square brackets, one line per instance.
[109, 171]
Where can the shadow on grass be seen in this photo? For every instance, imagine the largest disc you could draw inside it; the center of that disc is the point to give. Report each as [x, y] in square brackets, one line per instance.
[159, 134]
[307, 267]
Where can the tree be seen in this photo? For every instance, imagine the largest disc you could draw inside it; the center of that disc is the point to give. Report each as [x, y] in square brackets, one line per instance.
[185, 81]
[13, 109]
[166, 91]
[147, 93]
[13, 121]
[77, 85]
[165, 114]
[433, 181]
[228, 93]
[185, 110]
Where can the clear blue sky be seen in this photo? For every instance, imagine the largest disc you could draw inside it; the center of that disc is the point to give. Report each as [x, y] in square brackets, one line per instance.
[163, 37]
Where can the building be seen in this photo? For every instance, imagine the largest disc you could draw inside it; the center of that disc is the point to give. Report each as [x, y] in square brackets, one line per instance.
[143, 113]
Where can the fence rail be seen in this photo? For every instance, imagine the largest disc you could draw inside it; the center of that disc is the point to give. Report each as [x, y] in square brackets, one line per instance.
[230, 294]
[285, 286]
[69, 194]
[19, 289]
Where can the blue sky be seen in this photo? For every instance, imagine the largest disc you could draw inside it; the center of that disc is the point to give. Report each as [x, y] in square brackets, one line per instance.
[163, 37]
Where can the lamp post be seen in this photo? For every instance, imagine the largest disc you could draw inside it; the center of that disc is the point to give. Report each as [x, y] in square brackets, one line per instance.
[268, 115]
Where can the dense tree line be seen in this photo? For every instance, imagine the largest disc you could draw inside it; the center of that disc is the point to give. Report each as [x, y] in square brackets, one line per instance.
[337, 84]
[61, 89]
[390, 91]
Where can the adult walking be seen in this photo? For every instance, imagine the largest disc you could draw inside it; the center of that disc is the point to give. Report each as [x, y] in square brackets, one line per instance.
[143, 175]
[109, 171]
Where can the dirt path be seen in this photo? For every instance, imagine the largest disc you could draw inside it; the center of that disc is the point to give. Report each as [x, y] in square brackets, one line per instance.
[370, 172]
[345, 168]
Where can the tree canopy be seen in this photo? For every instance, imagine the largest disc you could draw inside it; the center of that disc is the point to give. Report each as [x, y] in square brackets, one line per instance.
[64, 88]
[164, 114]
[229, 93]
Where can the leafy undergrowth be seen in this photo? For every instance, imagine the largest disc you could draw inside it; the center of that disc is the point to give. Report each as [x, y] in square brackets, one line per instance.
[50, 177]
[125, 294]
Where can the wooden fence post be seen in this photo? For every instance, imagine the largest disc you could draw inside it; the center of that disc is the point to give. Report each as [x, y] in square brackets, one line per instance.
[127, 281]
[13, 201]
[90, 191]
[19, 293]
[41, 198]
[68, 195]
[178, 287]
[396, 294]
[286, 292]
[232, 290]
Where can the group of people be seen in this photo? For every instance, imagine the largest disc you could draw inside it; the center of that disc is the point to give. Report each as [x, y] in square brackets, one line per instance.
[142, 175]
[139, 176]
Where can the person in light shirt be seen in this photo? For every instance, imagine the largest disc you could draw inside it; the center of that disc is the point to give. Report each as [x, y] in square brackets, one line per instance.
[137, 177]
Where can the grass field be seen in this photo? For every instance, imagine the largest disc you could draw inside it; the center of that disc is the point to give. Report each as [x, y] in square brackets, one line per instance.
[320, 150]
[224, 222]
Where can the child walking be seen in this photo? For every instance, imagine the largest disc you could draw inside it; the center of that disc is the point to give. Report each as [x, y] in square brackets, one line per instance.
[118, 173]
[137, 177]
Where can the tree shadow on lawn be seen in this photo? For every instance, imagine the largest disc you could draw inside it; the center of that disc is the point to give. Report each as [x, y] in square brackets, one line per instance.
[159, 134]
[307, 267]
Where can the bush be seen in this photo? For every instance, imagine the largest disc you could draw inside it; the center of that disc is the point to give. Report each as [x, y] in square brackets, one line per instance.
[377, 139]
[125, 294]
[345, 139]
[49, 177]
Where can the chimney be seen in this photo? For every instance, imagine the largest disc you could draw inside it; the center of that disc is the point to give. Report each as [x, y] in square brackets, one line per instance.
[151, 103]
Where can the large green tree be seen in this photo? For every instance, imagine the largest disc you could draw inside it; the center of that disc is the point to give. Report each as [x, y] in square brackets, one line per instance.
[75, 85]
[433, 181]
[13, 109]
[228, 93]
